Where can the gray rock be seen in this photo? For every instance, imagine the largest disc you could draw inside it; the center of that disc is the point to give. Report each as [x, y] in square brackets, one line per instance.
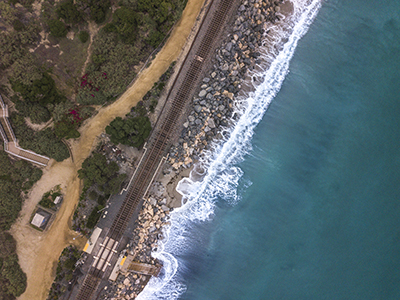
[153, 201]
[206, 79]
[202, 93]
[225, 67]
[211, 123]
[221, 107]
[210, 88]
[197, 108]
[186, 124]
[191, 118]
[228, 47]
[164, 207]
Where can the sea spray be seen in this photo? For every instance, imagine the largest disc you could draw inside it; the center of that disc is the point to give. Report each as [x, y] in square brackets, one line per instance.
[221, 175]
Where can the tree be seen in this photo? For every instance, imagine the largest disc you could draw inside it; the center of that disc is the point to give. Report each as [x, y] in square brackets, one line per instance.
[84, 36]
[155, 38]
[7, 244]
[42, 90]
[96, 9]
[57, 28]
[125, 23]
[131, 132]
[114, 185]
[37, 113]
[66, 129]
[94, 217]
[60, 110]
[69, 12]
[25, 70]
[96, 170]
[18, 25]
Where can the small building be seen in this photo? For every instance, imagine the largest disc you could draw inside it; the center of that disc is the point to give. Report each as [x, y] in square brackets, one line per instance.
[40, 219]
[57, 200]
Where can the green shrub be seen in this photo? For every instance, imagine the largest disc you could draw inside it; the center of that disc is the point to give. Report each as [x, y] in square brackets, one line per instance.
[18, 25]
[131, 131]
[36, 112]
[83, 36]
[102, 200]
[93, 195]
[96, 9]
[13, 177]
[42, 91]
[69, 12]
[70, 263]
[66, 129]
[96, 170]
[47, 203]
[16, 278]
[125, 24]
[57, 28]
[94, 217]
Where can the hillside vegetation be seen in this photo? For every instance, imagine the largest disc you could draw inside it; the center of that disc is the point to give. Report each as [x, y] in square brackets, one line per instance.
[44, 47]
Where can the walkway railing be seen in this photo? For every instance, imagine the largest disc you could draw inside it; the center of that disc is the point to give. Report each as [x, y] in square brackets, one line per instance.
[11, 143]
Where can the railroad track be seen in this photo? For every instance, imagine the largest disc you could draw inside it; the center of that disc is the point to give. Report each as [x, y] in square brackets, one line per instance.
[157, 147]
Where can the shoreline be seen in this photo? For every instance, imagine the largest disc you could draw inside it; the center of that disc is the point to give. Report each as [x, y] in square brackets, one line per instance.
[211, 112]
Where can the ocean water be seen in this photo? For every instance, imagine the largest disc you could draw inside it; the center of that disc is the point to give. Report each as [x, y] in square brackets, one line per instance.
[302, 201]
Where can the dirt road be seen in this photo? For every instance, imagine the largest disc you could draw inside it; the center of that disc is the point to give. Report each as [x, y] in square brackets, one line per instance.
[39, 251]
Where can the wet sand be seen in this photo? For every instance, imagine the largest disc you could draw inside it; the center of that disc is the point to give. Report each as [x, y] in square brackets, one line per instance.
[39, 251]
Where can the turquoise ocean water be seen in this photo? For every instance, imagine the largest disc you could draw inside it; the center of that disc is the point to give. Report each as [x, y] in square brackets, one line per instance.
[312, 211]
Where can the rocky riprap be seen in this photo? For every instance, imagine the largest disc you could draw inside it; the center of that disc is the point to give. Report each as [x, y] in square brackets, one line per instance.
[213, 107]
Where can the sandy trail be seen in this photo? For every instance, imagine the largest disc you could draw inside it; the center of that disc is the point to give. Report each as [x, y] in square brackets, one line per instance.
[39, 251]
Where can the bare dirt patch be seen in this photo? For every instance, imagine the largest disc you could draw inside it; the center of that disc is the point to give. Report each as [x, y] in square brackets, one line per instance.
[39, 251]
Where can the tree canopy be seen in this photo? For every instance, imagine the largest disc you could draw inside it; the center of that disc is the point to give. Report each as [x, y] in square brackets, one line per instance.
[57, 28]
[96, 10]
[125, 24]
[42, 91]
[96, 170]
[131, 131]
[68, 11]
[12, 277]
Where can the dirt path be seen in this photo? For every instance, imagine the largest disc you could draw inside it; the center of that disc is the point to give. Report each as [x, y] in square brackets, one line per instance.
[39, 251]
[93, 30]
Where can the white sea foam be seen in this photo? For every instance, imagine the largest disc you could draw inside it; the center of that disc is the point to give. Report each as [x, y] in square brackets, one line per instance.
[221, 175]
